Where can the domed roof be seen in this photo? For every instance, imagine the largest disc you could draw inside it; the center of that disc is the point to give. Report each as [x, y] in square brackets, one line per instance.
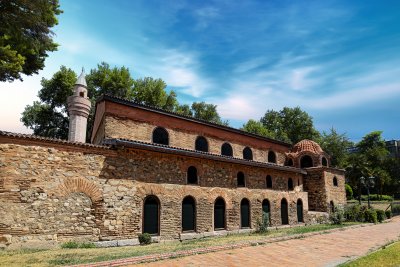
[307, 145]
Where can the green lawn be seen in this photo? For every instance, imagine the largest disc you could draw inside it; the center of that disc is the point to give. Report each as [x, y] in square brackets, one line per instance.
[387, 256]
[56, 257]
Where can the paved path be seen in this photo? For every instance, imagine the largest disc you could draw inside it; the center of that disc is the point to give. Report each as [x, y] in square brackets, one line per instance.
[318, 250]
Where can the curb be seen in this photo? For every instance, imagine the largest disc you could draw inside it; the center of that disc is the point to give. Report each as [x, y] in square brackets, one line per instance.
[183, 253]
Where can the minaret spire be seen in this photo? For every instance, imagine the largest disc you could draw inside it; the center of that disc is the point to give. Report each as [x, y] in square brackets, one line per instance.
[79, 109]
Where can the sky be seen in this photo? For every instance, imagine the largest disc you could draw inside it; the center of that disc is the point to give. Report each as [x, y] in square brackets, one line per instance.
[337, 60]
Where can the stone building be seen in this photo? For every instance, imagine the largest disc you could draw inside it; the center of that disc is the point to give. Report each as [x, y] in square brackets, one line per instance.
[149, 170]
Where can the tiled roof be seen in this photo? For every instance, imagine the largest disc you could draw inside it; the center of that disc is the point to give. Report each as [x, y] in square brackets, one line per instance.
[49, 140]
[177, 115]
[307, 145]
[195, 153]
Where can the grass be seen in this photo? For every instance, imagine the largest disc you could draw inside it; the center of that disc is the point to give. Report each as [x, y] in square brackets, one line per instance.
[388, 255]
[57, 257]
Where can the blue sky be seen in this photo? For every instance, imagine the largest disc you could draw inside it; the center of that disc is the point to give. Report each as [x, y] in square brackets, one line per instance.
[337, 60]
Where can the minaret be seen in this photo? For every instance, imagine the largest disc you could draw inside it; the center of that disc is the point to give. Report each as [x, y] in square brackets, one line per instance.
[78, 108]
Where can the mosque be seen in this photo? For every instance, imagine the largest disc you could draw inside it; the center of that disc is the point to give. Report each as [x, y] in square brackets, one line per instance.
[148, 170]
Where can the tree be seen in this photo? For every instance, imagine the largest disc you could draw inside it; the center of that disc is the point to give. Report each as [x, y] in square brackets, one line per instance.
[25, 36]
[336, 145]
[48, 117]
[290, 124]
[257, 127]
[152, 92]
[207, 112]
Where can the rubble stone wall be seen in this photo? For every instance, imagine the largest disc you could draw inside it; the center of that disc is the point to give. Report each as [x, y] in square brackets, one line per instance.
[52, 192]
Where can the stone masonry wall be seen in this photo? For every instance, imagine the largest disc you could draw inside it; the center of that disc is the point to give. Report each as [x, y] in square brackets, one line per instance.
[142, 131]
[321, 191]
[54, 193]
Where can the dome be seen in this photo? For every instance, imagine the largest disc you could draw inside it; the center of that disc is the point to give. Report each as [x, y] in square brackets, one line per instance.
[307, 145]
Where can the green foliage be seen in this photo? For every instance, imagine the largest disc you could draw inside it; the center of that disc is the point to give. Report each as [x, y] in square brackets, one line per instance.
[48, 117]
[25, 36]
[144, 239]
[256, 127]
[337, 217]
[388, 214]
[73, 244]
[371, 216]
[262, 225]
[152, 92]
[207, 112]
[376, 197]
[349, 192]
[380, 215]
[396, 209]
[290, 124]
[336, 145]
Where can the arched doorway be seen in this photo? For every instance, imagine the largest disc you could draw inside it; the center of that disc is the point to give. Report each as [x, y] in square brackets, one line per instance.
[300, 211]
[332, 207]
[151, 215]
[306, 162]
[245, 213]
[188, 214]
[219, 214]
[266, 208]
[284, 212]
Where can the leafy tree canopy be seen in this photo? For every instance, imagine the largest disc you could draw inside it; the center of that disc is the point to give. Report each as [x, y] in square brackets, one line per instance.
[49, 116]
[336, 145]
[25, 36]
[256, 127]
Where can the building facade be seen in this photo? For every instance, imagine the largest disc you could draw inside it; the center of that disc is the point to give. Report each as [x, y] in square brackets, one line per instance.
[148, 170]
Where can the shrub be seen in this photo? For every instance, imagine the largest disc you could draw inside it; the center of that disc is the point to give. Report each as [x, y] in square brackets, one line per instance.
[262, 225]
[144, 239]
[380, 215]
[73, 244]
[351, 212]
[376, 197]
[337, 217]
[349, 192]
[396, 209]
[371, 216]
[388, 214]
[70, 244]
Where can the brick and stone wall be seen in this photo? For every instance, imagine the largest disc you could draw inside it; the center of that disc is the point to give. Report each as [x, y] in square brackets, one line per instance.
[142, 131]
[57, 192]
[321, 191]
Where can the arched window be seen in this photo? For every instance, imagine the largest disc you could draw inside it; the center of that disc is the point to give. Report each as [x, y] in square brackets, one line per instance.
[219, 214]
[269, 181]
[290, 184]
[245, 213]
[160, 136]
[289, 162]
[201, 144]
[306, 162]
[332, 206]
[226, 150]
[192, 175]
[324, 161]
[271, 157]
[266, 210]
[151, 215]
[300, 210]
[284, 211]
[240, 180]
[188, 214]
[335, 183]
[247, 153]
